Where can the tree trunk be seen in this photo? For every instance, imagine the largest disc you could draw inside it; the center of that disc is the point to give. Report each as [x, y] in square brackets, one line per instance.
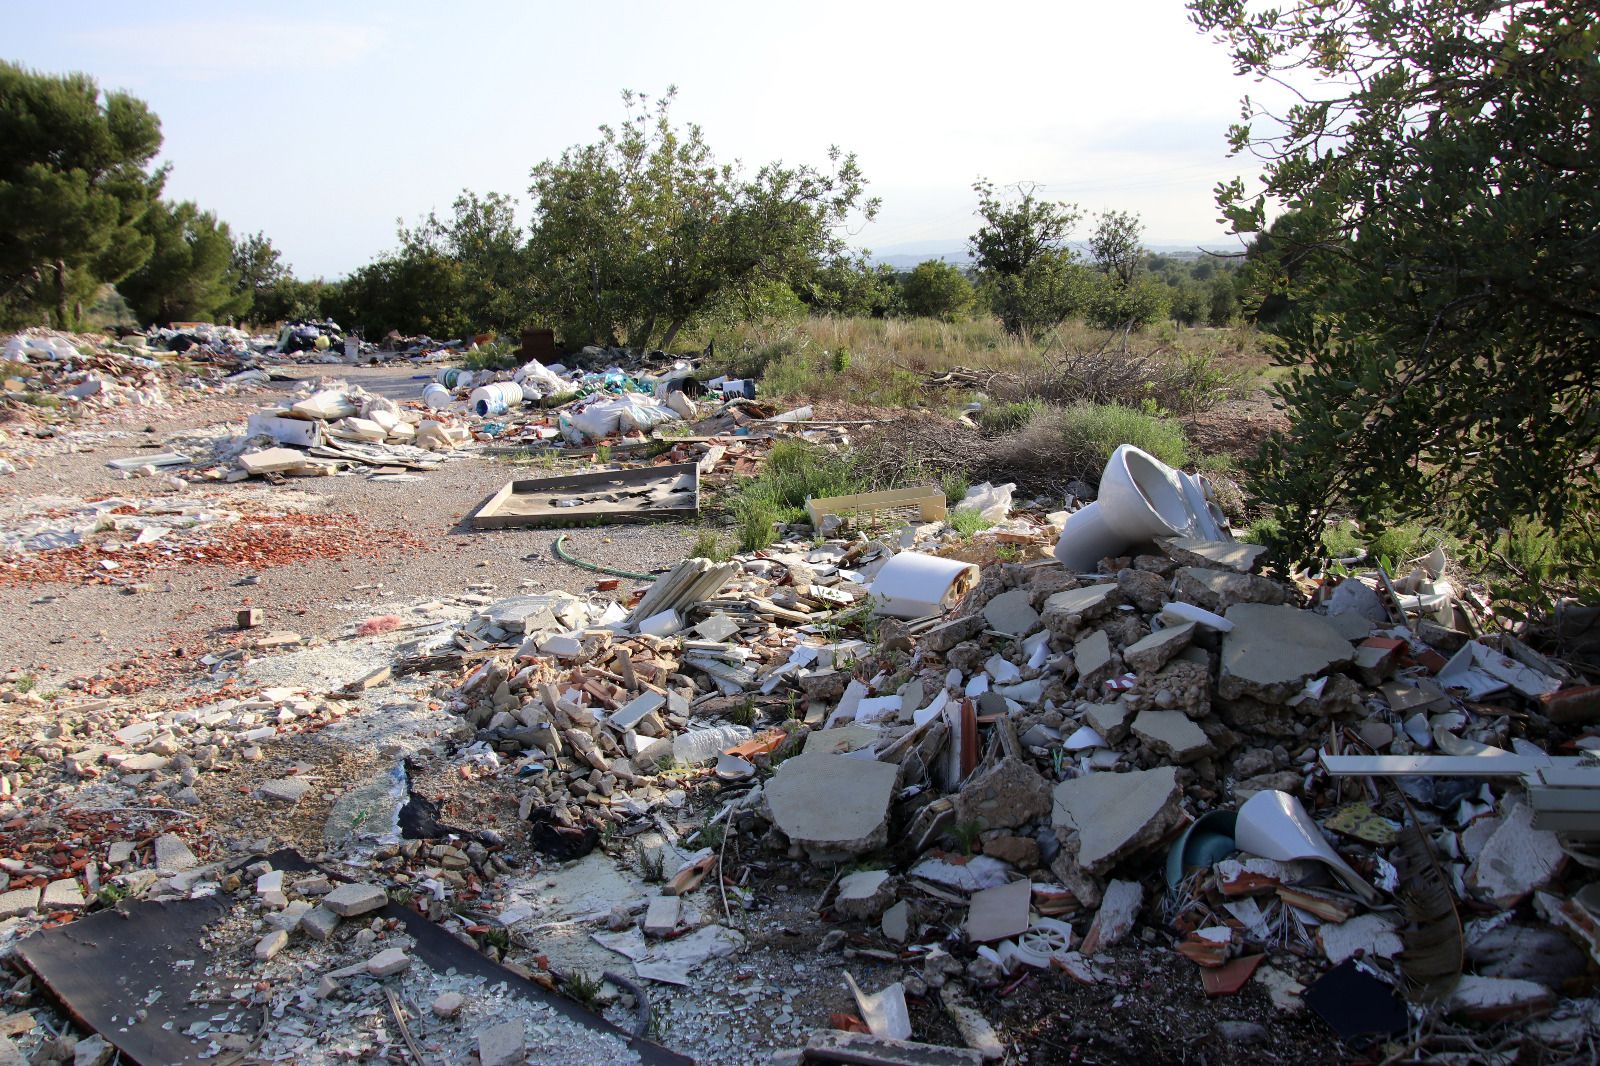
[671, 335]
[61, 294]
[639, 339]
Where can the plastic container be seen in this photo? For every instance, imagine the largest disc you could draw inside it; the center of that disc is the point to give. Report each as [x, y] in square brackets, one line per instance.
[496, 398]
[453, 377]
[435, 396]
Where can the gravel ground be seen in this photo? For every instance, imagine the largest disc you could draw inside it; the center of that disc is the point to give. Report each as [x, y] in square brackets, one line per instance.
[81, 627]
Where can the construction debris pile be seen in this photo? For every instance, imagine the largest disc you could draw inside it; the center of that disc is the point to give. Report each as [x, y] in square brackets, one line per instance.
[1066, 757]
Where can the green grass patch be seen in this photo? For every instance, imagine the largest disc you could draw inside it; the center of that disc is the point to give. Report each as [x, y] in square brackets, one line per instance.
[1099, 429]
[710, 545]
[794, 472]
[998, 418]
[497, 355]
[968, 521]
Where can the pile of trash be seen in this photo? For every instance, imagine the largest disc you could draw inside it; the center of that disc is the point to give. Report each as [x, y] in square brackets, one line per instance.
[80, 370]
[1050, 758]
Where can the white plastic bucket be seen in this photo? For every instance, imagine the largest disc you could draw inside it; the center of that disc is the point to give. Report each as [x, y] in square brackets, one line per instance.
[435, 396]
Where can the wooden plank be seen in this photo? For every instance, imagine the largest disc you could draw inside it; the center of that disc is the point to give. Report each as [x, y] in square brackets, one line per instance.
[929, 501]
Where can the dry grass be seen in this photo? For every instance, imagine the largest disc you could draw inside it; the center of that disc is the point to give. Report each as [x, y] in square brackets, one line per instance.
[888, 362]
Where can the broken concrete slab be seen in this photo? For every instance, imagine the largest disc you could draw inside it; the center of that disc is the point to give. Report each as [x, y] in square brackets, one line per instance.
[272, 460]
[284, 790]
[1011, 613]
[1008, 794]
[172, 855]
[1232, 555]
[834, 806]
[1218, 590]
[1274, 650]
[1516, 860]
[1173, 734]
[62, 895]
[998, 913]
[319, 923]
[1108, 816]
[1153, 652]
[1091, 656]
[502, 1045]
[896, 923]
[387, 962]
[269, 945]
[1066, 612]
[349, 900]
[864, 894]
[1526, 952]
[1110, 720]
[662, 915]
[19, 901]
[1119, 909]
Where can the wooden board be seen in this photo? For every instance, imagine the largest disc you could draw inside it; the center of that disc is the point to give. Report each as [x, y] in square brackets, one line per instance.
[928, 501]
[609, 495]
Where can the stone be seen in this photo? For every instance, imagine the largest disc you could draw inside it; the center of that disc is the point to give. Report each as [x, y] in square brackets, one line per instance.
[974, 1028]
[388, 962]
[1119, 909]
[19, 901]
[271, 944]
[1527, 953]
[62, 895]
[1092, 657]
[1218, 590]
[1066, 612]
[173, 855]
[1237, 1031]
[1368, 934]
[836, 1045]
[1021, 852]
[1153, 652]
[1144, 590]
[146, 763]
[864, 894]
[284, 790]
[662, 915]
[1273, 651]
[1173, 734]
[349, 900]
[119, 853]
[1516, 860]
[1232, 555]
[1008, 794]
[1113, 815]
[834, 806]
[319, 923]
[502, 1045]
[448, 1004]
[93, 1050]
[1011, 613]
[940, 639]
[1110, 720]
[897, 922]
[998, 913]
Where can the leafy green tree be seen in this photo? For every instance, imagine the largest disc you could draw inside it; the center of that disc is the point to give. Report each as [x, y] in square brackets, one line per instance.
[483, 238]
[1222, 301]
[416, 291]
[1443, 339]
[73, 188]
[935, 289]
[1109, 304]
[852, 287]
[258, 267]
[1116, 246]
[1024, 265]
[290, 298]
[643, 231]
[189, 275]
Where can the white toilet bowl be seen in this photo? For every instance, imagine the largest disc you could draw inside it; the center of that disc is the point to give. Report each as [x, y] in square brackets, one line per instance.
[1141, 498]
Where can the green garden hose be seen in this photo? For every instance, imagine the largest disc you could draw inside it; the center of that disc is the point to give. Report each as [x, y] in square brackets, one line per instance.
[561, 553]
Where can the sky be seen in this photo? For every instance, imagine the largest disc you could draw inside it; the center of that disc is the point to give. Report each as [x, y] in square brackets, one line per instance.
[323, 124]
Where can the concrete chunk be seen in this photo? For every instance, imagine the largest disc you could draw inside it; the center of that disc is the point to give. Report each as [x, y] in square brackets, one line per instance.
[1218, 590]
[1113, 815]
[320, 923]
[173, 855]
[863, 894]
[1237, 556]
[832, 805]
[1092, 656]
[1153, 652]
[19, 901]
[62, 895]
[1274, 650]
[1110, 720]
[840, 1046]
[502, 1045]
[1173, 734]
[284, 790]
[271, 944]
[349, 900]
[1008, 794]
[662, 916]
[1011, 613]
[1119, 909]
[387, 962]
